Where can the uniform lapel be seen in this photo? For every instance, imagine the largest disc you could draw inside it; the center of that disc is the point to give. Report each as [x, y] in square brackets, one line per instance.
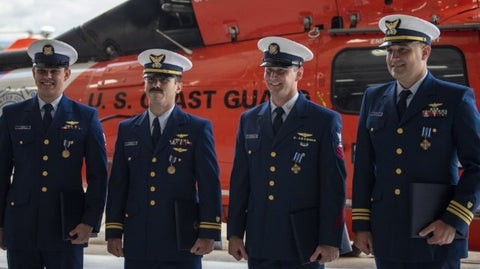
[62, 114]
[293, 121]
[422, 97]
[264, 121]
[142, 130]
[389, 105]
[176, 119]
[33, 115]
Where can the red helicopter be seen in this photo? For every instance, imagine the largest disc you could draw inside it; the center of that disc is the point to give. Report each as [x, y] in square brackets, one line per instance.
[220, 38]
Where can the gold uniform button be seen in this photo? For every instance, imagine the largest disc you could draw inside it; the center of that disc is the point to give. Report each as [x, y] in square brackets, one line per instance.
[129, 158]
[44, 173]
[271, 197]
[154, 160]
[397, 191]
[271, 183]
[152, 202]
[152, 174]
[399, 151]
[249, 152]
[273, 154]
[126, 215]
[152, 188]
[272, 169]
[20, 142]
[12, 203]
[400, 131]
[46, 142]
[45, 158]
[372, 129]
[398, 171]
[44, 189]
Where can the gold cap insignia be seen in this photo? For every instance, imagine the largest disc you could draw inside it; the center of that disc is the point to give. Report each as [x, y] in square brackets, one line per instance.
[392, 26]
[273, 48]
[157, 60]
[48, 50]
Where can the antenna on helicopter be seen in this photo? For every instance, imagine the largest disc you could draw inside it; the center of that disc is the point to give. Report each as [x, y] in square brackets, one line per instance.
[187, 51]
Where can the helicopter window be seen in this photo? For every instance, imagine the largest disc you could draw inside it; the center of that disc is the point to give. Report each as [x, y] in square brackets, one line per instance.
[354, 70]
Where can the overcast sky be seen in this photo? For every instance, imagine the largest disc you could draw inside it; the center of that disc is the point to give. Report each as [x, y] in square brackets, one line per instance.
[19, 16]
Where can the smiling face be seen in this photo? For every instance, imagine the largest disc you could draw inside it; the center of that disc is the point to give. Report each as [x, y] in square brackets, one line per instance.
[161, 92]
[282, 82]
[50, 82]
[407, 62]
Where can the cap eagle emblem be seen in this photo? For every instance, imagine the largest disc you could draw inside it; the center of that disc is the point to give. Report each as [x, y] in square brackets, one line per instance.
[392, 26]
[157, 60]
[47, 50]
[273, 48]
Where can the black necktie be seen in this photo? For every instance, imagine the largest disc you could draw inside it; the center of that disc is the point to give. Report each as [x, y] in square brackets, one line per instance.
[277, 122]
[156, 131]
[402, 102]
[47, 115]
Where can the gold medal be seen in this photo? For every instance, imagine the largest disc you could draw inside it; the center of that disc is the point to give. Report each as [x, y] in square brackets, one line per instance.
[65, 153]
[425, 144]
[296, 168]
[171, 169]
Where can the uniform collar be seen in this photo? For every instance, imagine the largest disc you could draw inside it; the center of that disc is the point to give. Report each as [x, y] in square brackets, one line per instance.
[54, 103]
[414, 87]
[287, 107]
[162, 118]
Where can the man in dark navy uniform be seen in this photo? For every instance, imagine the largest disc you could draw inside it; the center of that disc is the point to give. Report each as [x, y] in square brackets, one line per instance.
[44, 142]
[414, 131]
[162, 156]
[288, 157]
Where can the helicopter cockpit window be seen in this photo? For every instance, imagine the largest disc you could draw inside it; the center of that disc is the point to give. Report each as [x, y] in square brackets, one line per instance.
[354, 70]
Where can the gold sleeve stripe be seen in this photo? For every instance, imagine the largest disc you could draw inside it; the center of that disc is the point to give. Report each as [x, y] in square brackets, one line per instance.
[208, 226]
[114, 225]
[361, 215]
[459, 211]
[210, 223]
[454, 212]
[461, 208]
[360, 218]
[361, 210]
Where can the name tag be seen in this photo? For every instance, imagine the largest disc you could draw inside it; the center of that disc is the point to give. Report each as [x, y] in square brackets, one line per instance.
[376, 114]
[130, 143]
[23, 127]
[251, 136]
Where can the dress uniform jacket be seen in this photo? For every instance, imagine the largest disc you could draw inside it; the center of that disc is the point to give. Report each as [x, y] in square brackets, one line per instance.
[440, 128]
[30, 202]
[142, 188]
[269, 180]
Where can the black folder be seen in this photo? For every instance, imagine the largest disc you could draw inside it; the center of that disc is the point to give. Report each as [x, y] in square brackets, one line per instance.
[186, 223]
[71, 213]
[428, 201]
[305, 229]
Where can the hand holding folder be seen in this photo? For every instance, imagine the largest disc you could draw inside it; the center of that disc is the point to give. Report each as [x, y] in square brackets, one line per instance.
[428, 201]
[71, 213]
